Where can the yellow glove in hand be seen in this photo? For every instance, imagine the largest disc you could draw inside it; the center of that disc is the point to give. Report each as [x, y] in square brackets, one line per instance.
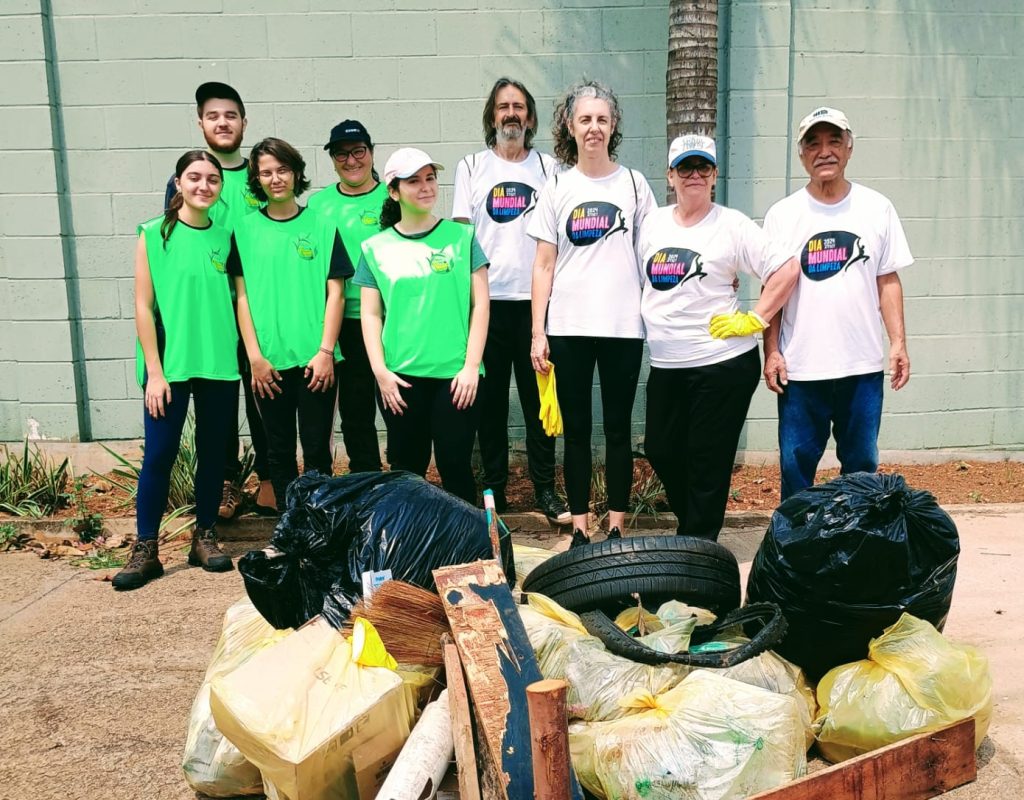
[550, 414]
[738, 323]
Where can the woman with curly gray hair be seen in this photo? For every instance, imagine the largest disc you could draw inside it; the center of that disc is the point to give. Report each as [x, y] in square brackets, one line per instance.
[586, 293]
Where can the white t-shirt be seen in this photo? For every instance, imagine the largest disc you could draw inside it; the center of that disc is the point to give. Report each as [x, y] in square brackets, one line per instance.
[498, 197]
[688, 275]
[594, 223]
[831, 325]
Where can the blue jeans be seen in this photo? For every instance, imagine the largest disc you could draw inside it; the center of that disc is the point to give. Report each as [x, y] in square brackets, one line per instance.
[851, 406]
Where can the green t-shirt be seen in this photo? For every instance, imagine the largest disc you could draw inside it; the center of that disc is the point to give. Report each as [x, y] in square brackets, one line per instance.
[286, 265]
[358, 218]
[192, 296]
[424, 283]
[236, 201]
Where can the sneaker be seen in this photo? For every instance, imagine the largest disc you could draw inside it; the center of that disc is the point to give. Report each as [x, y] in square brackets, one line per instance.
[142, 567]
[553, 506]
[206, 553]
[500, 503]
[230, 501]
[579, 538]
[266, 501]
[614, 533]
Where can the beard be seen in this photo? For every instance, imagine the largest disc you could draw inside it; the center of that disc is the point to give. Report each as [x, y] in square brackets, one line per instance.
[216, 147]
[510, 131]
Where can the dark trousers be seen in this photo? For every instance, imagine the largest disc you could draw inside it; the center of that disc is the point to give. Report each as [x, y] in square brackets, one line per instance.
[315, 412]
[851, 406]
[213, 402]
[356, 406]
[430, 418]
[232, 462]
[618, 369]
[694, 419]
[508, 349]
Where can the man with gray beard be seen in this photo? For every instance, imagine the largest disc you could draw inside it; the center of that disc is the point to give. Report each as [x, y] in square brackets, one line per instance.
[496, 190]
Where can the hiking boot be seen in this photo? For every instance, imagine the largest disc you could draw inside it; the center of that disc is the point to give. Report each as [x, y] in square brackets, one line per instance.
[553, 507]
[143, 565]
[266, 501]
[230, 501]
[579, 538]
[614, 533]
[500, 502]
[206, 553]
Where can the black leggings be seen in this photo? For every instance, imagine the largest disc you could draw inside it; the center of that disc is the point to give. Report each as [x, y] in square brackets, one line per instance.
[618, 369]
[431, 418]
[694, 419]
[315, 412]
[356, 407]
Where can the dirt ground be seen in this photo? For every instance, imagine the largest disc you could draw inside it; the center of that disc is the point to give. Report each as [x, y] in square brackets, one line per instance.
[97, 685]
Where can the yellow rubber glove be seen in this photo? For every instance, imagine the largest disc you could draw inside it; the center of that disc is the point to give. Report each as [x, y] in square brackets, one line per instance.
[738, 323]
[550, 414]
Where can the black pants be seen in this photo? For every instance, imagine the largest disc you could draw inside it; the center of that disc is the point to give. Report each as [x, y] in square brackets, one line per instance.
[356, 407]
[694, 419]
[507, 349]
[618, 369]
[315, 411]
[232, 463]
[431, 419]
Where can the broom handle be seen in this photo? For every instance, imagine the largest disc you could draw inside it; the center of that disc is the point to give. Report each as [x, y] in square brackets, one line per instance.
[492, 523]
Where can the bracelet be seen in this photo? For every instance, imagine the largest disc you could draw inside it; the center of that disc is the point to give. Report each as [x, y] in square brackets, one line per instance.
[326, 352]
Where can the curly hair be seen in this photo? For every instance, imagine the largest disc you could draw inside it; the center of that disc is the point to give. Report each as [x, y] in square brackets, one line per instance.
[565, 143]
[490, 132]
[390, 210]
[283, 152]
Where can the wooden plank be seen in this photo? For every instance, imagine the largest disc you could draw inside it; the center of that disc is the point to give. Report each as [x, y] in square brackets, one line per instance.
[499, 664]
[462, 723]
[923, 766]
[549, 738]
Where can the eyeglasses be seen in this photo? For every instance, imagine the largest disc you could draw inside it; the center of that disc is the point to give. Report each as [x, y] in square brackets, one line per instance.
[702, 168]
[281, 172]
[341, 156]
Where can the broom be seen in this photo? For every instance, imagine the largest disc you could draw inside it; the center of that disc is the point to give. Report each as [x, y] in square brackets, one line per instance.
[410, 621]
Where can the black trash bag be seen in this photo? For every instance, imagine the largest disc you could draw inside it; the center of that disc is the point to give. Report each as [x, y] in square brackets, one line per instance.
[335, 529]
[844, 559]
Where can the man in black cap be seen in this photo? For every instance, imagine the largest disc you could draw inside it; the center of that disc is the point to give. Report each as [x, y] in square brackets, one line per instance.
[353, 204]
[222, 120]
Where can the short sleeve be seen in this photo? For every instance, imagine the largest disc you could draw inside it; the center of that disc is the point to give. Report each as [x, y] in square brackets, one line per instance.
[462, 202]
[341, 264]
[757, 253]
[478, 258]
[544, 219]
[645, 202]
[234, 264]
[896, 254]
[364, 276]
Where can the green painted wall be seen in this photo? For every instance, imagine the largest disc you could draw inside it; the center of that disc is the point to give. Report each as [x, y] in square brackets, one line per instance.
[934, 95]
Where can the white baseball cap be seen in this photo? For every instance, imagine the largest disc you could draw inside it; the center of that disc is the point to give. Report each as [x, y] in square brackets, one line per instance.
[406, 162]
[833, 116]
[691, 145]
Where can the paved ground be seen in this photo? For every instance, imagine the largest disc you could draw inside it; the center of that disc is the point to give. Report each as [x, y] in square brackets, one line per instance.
[95, 686]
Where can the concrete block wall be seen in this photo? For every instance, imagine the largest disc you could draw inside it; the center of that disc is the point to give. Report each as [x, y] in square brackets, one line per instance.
[934, 96]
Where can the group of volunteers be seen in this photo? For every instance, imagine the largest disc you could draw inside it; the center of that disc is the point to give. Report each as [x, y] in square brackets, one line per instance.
[365, 298]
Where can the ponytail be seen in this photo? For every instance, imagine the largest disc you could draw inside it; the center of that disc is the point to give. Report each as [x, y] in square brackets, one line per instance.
[171, 217]
[390, 211]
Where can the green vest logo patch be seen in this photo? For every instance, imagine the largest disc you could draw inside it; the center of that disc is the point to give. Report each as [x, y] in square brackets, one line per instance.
[440, 262]
[250, 199]
[305, 248]
[369, 217]
[217, 261]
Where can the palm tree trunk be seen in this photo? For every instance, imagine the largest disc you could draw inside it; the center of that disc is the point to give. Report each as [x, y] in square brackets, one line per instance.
[691, 81]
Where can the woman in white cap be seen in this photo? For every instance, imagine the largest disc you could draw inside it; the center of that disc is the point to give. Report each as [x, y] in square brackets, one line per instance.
[424, 317]
[586, 293]
[704, 361]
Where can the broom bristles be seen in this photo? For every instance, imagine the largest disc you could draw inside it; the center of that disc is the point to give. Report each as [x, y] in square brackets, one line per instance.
[410, 621]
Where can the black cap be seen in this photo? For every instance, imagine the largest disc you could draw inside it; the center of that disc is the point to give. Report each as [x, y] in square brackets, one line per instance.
[348, 131]
[221, 91]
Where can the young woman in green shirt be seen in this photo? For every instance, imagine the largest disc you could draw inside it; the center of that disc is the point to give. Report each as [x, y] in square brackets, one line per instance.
[186, 348]
[424, 316]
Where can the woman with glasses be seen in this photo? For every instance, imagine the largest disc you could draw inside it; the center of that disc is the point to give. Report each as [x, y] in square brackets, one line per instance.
[353, 204]
[586, 293]
[289, 267]
[704, 361]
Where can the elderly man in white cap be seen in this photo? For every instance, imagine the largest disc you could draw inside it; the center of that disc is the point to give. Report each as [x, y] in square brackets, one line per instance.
[825, 356]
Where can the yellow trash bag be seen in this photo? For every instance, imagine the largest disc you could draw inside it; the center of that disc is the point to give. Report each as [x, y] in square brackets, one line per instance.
[212, 765]
[709, 738]
[913, 681]
[550, 414]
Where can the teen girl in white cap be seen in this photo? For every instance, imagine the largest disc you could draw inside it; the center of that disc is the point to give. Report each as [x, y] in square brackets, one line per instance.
[701, 380]
[424, 315]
